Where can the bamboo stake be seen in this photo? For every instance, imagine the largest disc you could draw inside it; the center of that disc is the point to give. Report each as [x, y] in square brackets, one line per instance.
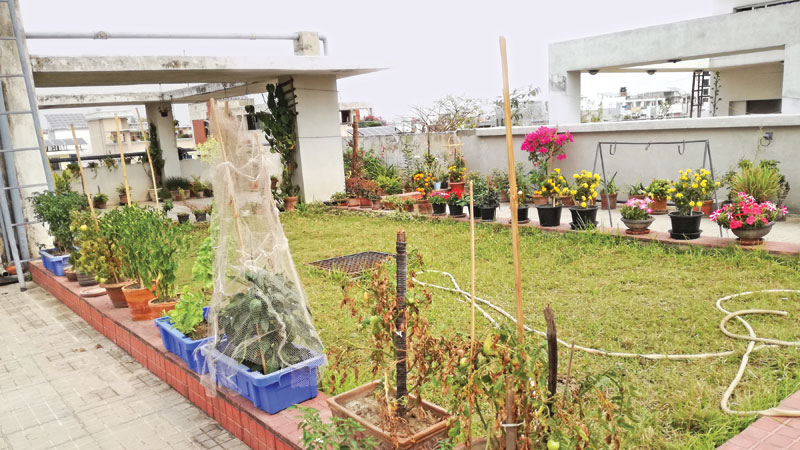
[122, 160]
[146, 137]
[473, 341]
[511, 431]
[213, 115]
[83, 177]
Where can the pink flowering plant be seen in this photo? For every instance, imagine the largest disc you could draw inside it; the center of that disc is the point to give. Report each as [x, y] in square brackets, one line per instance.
[439, 198]
[544, 144]
[637, 209]
[746, 212]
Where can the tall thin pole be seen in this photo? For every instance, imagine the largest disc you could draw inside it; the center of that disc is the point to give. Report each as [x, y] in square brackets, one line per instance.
[473, 341]
[356, 118]
[401, 369]
[83, 177]
[146, 137]
[122, 160]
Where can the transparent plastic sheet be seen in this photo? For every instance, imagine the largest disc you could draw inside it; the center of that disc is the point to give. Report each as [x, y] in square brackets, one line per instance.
[259, 314]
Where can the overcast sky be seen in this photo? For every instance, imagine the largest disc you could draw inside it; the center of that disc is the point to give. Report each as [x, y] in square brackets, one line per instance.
[431, 48]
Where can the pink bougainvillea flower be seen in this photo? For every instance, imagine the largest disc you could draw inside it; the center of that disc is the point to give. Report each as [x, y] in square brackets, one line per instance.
[561, 156]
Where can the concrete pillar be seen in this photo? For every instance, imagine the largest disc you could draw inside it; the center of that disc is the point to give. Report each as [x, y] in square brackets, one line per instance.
[320, 170]
[307, 44]
[30, 169]
[790, 103]
[166, 136]
[564, 102]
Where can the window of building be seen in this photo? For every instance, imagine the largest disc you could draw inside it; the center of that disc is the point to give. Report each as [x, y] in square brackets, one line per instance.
[763, 5]
[772, 106]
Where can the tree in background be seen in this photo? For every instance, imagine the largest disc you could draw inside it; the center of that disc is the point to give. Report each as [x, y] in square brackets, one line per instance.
[156, 154]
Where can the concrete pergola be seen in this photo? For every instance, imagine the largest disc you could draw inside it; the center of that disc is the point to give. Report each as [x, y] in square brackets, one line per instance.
[723, 42]
[314, 79]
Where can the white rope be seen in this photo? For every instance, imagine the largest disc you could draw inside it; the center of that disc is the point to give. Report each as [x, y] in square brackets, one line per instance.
[752, 338]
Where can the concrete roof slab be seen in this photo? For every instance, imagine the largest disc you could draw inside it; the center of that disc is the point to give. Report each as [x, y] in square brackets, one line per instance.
[64, 71]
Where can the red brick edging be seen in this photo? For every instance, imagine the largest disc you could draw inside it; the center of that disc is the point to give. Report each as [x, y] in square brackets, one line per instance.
[142, 341]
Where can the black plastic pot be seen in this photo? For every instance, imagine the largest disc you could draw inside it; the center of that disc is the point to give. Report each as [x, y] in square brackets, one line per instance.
[200, 217]
[456, 210]
[549, 216]
[487, 214]
[522, 214]
[583, 218]
[183, 218]
[685, 227]
[440, 209]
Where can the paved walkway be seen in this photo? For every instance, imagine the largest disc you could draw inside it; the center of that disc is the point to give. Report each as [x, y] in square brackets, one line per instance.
[786, 231]
[64, 385]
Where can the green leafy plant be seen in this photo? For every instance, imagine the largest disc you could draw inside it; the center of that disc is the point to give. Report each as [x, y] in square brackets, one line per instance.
[90, 257]
[203, 267]
[63, 181]
[637, 189]
[156, 153]
[488, 198]
[390, 185]
[167, 205]
[55, 210]
[610, 186]
[499, 179]
[175, 183]
[278, 124]
[121, 189]
[660, 189]
[338, 434]
[188, 313]
[100, 198]
[338, 196]
[198, 185]
[262, 324]
[762, 182]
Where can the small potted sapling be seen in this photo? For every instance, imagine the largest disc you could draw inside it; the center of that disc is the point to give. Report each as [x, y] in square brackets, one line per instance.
[398, 343]
[200, 212]
[608, 193]
[198, 188]
[123, 193]
[584, 194]
[184, 329]
[100, 201]
[456, 202]
[339, 199]
[54, 209]
[439, 202]
[636, 215]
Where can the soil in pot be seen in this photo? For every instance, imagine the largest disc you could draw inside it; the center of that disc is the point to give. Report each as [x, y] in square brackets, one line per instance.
[549, 216]
[201, 331]
[115, 294]
[685, 227]
[583, 218]
[368, 409]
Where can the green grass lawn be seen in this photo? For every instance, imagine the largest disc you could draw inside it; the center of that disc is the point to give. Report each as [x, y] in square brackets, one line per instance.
[609, 293]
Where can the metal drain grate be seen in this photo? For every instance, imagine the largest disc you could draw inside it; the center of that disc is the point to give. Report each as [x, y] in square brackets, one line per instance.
[354, 264]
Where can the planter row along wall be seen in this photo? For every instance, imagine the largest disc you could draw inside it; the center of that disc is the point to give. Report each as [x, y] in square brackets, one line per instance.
[143, 342]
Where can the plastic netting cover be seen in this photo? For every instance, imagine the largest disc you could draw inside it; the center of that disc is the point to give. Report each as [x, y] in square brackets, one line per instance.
[259, 315]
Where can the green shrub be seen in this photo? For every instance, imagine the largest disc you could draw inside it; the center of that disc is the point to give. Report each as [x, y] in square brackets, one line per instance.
[175, 183]
[390, 185]
[54, 210]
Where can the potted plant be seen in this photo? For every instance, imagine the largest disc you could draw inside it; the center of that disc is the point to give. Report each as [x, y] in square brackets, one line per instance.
[100, 200]
[185, 328]
[200, 212]
[183, 217]
[423, 184]
[688, 195]
[499, 179]
[198, 188]
[522, 197]
[439, 202]
[367, 189]
[376, 201]
[456, 201]
[457, 172]
[636, 215]
[268, 354]
[391, 202]
[748, 219]
[660, 191]
[352, 188]
[395, 325]
[339, 199]
[608, 193]
[535, 180]
[54, 210]
[408, 203]
[706, 182]
[487, 202]
[584, 213]
[552, 187]
[173, 184]
[637, 190]
[123, 194]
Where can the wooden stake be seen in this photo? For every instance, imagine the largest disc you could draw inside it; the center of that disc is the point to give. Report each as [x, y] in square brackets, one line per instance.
[122, 160]
[399, 338]
[146, 137]
[552, 356]
[356, 118]
[511, 432]
[473, 340]
[83, 177]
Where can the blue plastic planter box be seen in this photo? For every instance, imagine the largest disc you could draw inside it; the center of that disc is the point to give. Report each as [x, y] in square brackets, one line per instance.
[273, 392]
[177, 343]
[54, 264]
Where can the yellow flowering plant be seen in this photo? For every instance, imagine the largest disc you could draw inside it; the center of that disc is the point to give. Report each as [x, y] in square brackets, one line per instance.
[691, 189]
[585, 191]
[553, 186]
[423, 183]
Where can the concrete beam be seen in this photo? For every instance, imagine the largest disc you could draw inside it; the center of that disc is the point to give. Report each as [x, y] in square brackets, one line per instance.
[64, 71]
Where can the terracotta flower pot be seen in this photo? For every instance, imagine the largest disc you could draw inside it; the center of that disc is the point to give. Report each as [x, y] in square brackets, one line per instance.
[705, 208]
[612, 201]
[123, 199]
[639, 196]
[457, 186]
[566, 200]
[353, 202]
[138, 301]
[409, 207]
[376, 205]
[504, 196]
[539, 199]
[288, 203]
[176, 196]
[160, 309]
[659, 205]
[388, 205]
[70, 273]
[114, 291]
[199, 194]
[425, 439]
[424, 206]
[100, 205]
[364, 202]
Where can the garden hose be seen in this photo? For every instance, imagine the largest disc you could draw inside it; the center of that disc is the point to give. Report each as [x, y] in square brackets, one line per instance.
[751, 337]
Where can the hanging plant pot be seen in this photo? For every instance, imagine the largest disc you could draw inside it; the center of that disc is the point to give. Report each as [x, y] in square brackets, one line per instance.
[183, 217]
[659, 205]
[685, 227]
[751, 236]
[289, 203]
[637, 226]
[70, 273]
[343, 407]
[612, 201]
[522, 214]
[549, 215]
[440, 209]
[161, 308]
[114, 291]
[487, 214]
[138, 301]
[583, 218]
[456, 210]
[85, 279]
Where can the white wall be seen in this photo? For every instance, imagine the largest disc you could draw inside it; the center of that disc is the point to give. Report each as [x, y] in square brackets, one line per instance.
[761, 82]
